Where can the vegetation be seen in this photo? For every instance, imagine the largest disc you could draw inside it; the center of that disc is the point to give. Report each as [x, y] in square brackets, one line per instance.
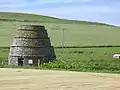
[78, 59]
[76, 34]
[89, 45]
[23, 17]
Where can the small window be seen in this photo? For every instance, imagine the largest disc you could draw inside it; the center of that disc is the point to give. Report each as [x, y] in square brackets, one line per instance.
[30, 61]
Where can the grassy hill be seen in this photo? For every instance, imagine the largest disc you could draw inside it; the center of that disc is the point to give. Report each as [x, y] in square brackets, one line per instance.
[78, 33]
[23, 17]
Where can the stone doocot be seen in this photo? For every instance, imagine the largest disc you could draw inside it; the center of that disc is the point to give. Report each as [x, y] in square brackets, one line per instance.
[31, 43]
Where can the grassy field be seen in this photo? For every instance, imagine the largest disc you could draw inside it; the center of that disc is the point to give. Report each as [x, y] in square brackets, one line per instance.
[80, 59]
[75, 34]
[79, 33]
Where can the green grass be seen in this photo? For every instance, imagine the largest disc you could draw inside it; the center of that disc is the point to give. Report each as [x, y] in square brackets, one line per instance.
[42, 19]
[75, 35]
[81, 59]
[79, 33]
[3, 54]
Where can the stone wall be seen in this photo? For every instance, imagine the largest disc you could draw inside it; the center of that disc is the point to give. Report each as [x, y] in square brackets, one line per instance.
[29, 51]
[31, 42]
[32, 34]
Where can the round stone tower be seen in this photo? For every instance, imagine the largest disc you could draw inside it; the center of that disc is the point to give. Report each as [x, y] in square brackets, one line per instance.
[31, 44]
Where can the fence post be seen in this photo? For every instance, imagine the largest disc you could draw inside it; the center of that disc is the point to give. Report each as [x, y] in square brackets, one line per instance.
[38, 63]
[2, 63]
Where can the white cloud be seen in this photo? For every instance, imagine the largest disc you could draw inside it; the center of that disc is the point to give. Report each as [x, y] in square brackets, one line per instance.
[92, 10]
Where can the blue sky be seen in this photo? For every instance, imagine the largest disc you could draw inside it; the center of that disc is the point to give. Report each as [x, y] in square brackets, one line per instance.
[92, 10]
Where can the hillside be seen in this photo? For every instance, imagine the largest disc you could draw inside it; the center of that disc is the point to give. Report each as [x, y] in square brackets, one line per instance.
[23, 17]
[78, 33]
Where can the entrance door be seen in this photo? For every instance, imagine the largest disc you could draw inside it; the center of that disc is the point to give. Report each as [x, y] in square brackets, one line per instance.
[20, 61]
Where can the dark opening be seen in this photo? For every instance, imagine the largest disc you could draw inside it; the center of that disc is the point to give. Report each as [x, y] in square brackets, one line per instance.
[20, 61]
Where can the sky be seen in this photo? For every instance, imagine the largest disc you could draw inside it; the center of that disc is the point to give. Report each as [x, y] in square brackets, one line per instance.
[106, 11]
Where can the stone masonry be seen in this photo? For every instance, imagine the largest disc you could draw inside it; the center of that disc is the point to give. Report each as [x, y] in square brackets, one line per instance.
[31, 43]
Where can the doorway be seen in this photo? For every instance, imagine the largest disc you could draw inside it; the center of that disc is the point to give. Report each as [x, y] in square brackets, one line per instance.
[20, 61]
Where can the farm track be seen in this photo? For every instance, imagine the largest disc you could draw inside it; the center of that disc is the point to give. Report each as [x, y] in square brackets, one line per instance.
[20, 79]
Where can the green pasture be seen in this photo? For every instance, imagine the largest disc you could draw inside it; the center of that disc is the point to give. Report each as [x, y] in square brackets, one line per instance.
[80, 59]
[75, 34]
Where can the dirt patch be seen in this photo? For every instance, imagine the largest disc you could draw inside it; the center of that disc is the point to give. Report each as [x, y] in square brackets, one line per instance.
[20, 79]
